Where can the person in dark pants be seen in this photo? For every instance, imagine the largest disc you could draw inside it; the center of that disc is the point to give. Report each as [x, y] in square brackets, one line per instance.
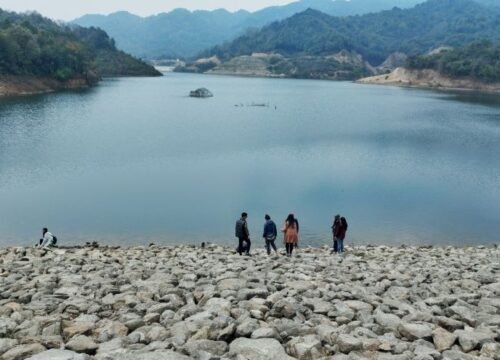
[243, 234]
[290, 231]
[335, 229]
[341, 234]
[270, 234]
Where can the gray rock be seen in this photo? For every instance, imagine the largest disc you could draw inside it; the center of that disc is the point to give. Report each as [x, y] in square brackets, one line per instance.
[443, 340]
[389, 322]
[359, 305]
[193, 348]
[415, 331]
[491, 350]
[266, 333]
[464, 314]
[247, 327]
[7, 344]
[283, 308]
[305, 348]
[59, 355]
[449, 324]
[457, 355]
[227, 333]
[470, 340]
[246, 294]
[82, 344]
[342, 310]
[7, 327]
[22, 352]
[157, 355]
[425, 352]
[258, 349]
[348, 343]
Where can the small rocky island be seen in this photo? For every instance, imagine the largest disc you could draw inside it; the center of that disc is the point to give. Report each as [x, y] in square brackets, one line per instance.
[201, 93]
[184, 302]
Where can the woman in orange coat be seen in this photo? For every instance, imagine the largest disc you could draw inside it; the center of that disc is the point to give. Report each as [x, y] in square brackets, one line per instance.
[291, 234]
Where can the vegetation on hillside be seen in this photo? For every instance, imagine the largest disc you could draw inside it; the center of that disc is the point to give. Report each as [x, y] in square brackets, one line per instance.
[31, 45]
[479, 60]
[375, 36]
[183, 34]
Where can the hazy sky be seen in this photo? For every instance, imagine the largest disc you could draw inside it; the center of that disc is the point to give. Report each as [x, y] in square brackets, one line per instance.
[70, 9]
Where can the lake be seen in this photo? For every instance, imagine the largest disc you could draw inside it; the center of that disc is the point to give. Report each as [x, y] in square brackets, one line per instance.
[135, 160]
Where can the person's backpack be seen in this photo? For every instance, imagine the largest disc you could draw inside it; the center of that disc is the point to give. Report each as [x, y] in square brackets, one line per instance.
[54, 240]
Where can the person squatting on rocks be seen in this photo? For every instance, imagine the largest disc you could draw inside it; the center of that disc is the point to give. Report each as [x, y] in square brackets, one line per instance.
[48, 239]
[291, 234]
[243, 234]
[270, 234]
[335, 227]
[340, 233]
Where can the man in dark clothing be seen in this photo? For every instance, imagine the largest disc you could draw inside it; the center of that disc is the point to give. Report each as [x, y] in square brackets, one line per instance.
[243, 234]
[335, 230]
[270, 234]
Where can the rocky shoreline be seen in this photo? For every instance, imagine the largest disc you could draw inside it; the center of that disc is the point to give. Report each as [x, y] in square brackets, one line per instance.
[428, 79]
[185, 302]
[27, 85]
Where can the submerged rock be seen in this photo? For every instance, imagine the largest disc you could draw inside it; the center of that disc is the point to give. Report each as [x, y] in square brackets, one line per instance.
[201, 93]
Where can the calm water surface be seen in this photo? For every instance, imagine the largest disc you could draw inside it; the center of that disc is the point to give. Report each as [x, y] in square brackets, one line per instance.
[136, 160]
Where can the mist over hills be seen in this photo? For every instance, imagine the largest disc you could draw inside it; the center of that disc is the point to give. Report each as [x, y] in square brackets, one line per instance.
[182, 33]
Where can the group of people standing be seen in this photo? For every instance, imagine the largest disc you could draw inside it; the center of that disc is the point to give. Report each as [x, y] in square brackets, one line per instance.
[290, 232]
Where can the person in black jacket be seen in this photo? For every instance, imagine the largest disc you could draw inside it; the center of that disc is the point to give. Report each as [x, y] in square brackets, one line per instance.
[243, 235]
[270, 234]
[335, 228]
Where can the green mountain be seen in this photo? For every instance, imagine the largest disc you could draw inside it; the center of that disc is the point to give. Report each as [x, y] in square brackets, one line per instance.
[183, 34]
[375, 36]
[31, 45]
[480, 60]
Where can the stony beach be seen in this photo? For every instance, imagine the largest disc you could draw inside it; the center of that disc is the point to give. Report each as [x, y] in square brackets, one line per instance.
[184, 302]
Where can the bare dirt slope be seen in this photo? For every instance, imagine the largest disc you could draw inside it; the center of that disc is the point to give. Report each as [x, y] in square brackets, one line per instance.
[428, 79]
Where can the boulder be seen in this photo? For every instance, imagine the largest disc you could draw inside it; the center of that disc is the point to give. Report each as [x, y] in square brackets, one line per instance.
[82, 344]
[415, 331]
[266, 333]
[305, 347]
[22, 352]
[258, 349]
[389, 322]
[443, 340]
[472, 339]
[194, 348]
[54, 354]
[348, 343]
[7, 344]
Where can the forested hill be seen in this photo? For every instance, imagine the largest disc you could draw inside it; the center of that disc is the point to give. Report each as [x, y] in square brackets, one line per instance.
[31, 45]
[183, 33]
[479, 61]
[375, 36]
